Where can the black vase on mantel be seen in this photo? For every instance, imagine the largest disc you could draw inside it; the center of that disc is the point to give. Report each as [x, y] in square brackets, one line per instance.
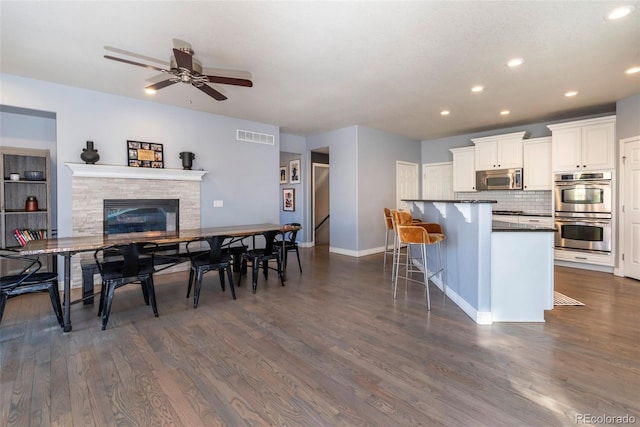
[187, 159]
[89, 155]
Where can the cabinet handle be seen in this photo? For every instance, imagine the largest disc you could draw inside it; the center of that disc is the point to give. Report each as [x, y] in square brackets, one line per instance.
[577, 166]
[584, 166]
[581, 257]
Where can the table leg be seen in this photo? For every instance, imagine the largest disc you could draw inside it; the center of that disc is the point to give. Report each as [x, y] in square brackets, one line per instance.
[66, 306]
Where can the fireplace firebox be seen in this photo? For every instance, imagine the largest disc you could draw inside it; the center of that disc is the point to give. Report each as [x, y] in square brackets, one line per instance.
[138, 215]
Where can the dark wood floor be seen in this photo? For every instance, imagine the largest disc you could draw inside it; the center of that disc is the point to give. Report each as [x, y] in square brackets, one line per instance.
[331, 348]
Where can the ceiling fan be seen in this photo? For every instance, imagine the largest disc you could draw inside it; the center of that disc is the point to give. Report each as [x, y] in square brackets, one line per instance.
[183, 67]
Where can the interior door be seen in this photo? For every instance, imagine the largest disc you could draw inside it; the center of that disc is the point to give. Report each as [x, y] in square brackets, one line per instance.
[437, 181]
[406, 182]
[632, 209]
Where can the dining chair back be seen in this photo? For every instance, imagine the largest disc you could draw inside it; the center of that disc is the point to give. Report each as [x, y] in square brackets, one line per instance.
[260, 258]
[215, 258]
[120, 265]
[290, 243]
[25, 278]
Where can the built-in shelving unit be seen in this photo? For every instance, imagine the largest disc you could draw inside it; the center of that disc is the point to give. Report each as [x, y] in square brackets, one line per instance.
[14, 193]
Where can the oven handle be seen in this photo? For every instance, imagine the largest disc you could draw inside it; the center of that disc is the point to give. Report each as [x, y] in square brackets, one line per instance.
[585, 221]
[573, 183]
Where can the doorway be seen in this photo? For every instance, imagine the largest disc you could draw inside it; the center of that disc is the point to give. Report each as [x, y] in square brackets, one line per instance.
[320, 205]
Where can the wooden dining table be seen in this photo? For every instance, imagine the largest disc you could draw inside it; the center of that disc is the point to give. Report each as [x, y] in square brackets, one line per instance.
[66, 247]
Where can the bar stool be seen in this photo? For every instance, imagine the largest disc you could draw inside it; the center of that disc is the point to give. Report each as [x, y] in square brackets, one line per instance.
[388, 222]
[413, 236]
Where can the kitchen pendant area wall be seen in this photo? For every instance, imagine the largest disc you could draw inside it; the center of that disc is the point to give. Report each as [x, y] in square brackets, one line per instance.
[529, 202]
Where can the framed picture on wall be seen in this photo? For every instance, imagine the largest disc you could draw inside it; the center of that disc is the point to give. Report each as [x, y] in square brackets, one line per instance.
[144, 154]
[283, 174]
[294, 171]
[288, 199]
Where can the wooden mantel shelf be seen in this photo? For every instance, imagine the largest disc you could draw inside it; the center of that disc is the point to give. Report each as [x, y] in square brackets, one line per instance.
[116, 171]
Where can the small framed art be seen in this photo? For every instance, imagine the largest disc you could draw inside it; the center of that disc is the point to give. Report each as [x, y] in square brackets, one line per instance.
[283, 174]
[288, 199]
[145, 154]
[294, 172]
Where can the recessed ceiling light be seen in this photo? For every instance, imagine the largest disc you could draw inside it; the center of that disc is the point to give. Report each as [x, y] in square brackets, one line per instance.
[477, 89]
[571, 93]
[505, 112]
[445, 112]
[515, 62]
[149, 91]
[633, 70]
[620, 12]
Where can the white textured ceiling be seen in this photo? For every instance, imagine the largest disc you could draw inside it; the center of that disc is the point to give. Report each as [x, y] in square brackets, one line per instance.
[318, 66]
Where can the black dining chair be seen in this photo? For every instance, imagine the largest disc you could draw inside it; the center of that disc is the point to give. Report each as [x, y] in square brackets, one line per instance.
[260, 258]
[204, 261]
[120, 265]
[290, 244]
[27, 278]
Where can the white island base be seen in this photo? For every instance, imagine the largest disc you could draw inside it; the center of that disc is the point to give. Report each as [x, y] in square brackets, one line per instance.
[521, 277]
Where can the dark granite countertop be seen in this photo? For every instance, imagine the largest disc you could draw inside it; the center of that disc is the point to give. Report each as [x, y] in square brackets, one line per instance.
[450, 201]
[509, 226]
[522, 214]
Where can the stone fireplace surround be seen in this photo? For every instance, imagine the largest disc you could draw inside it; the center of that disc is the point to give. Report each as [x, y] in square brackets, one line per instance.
[92, 184]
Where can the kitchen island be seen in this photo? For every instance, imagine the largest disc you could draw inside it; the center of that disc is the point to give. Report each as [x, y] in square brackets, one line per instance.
[494, 271]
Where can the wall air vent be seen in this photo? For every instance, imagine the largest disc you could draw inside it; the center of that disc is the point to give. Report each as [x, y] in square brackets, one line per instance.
[260, 138]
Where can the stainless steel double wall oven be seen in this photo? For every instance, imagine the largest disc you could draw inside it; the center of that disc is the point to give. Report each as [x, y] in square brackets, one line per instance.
[583, 211]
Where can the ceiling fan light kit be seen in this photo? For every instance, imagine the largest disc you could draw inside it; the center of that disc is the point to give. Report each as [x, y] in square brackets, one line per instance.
[184, 68]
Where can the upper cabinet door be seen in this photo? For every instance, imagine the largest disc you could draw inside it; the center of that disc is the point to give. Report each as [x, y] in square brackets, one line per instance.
[566, 149]
[510, 153]
[464, 174]
[598, 146]
[486, 155]
[537, 164]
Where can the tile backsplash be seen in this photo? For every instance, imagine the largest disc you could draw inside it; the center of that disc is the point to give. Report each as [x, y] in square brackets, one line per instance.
[532, 202]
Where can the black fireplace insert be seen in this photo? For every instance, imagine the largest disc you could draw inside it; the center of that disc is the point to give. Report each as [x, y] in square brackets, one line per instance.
[138, 215]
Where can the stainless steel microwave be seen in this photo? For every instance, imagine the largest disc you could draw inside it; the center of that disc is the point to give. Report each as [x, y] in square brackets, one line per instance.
[499, 179]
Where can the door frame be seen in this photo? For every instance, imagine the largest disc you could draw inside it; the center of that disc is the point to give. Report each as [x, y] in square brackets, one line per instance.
[315, 166]
[620, 220]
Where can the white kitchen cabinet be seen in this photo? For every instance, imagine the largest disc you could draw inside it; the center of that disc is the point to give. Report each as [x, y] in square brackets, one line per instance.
[583, 145]
[464, 173]
[536, 160]
[499, 151]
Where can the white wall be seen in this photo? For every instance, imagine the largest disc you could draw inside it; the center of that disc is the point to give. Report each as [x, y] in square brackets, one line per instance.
[242, 174]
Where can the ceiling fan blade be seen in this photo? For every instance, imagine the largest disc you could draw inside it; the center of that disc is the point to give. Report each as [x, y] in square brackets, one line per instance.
[183, 59]
[126, 61]
[230, 81]
[212, 92]
[238, 74]
[157, 78]
[161, 84]
[136, 55]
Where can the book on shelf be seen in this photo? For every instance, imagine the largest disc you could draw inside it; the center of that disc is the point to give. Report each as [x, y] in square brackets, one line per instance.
[24, 236]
